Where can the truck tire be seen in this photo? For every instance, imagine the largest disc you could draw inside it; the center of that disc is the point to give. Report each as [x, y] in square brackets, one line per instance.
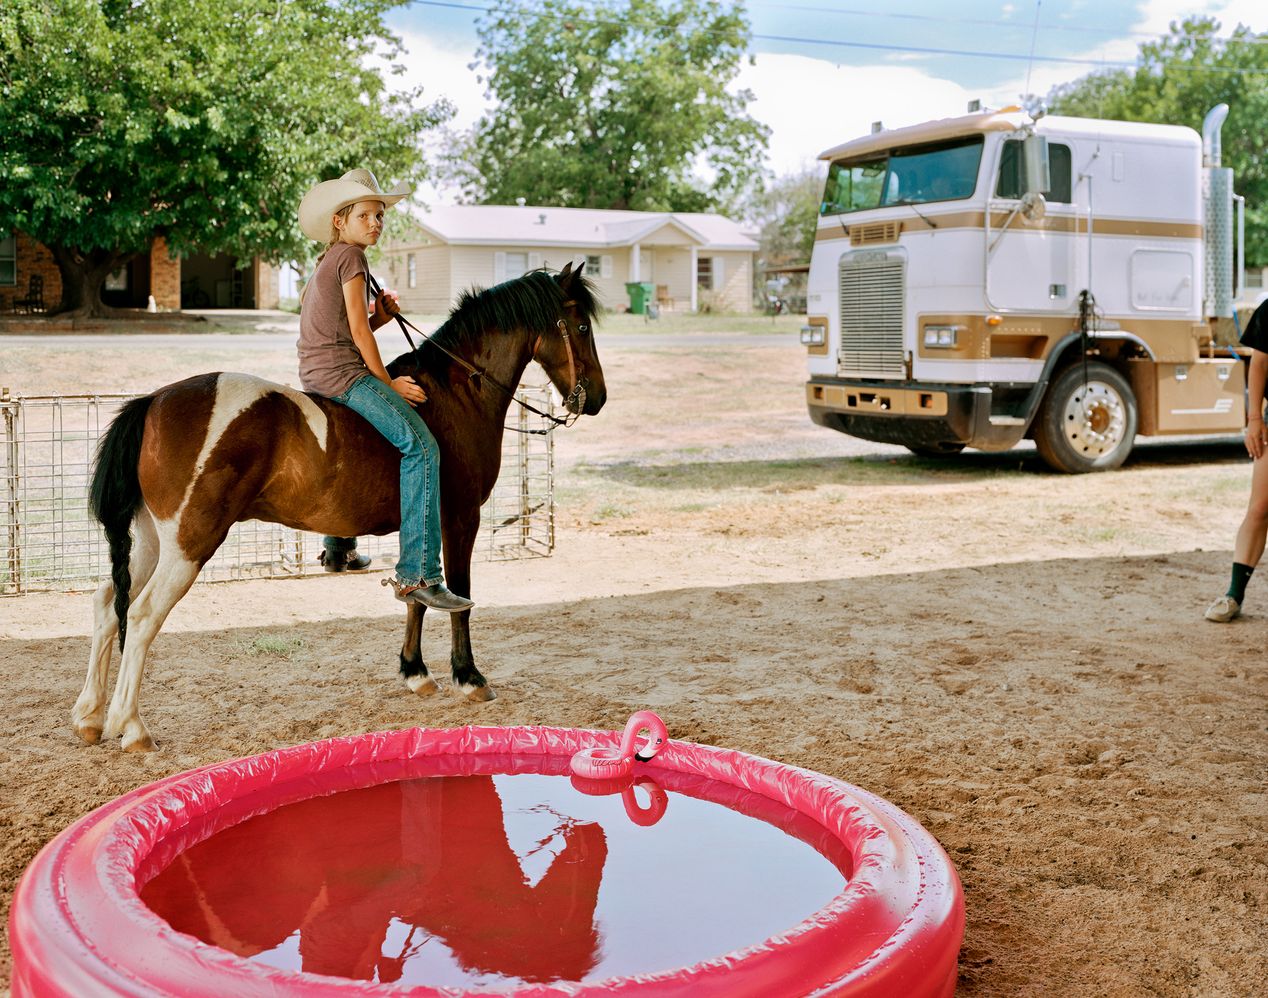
[935, 450]
[1087, 426]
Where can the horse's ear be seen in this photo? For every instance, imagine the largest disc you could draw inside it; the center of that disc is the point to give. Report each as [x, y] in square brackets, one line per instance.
[580, 267]
[565, 273]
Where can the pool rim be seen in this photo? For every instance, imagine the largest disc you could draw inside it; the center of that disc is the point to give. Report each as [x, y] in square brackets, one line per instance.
[78, 923]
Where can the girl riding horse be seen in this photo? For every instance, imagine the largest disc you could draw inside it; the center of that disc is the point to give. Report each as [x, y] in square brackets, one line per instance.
[339, 358]
[178, 468]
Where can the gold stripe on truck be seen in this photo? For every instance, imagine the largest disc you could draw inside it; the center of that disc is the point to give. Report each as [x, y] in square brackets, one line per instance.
[897, 401]
[1051, 222]
[1031, 336]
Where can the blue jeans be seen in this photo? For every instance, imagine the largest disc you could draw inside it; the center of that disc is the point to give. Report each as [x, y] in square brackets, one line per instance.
[396, 419]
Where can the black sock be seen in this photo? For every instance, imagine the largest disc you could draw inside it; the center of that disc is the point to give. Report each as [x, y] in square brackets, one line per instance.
[1241, 575]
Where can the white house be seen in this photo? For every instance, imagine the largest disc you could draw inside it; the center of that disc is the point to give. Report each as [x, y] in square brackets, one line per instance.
[694, 260]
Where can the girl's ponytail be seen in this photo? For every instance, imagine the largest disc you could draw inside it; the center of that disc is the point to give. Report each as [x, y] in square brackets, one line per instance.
[335, 236]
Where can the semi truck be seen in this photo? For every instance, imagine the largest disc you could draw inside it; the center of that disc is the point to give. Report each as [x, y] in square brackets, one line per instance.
[1008, 274]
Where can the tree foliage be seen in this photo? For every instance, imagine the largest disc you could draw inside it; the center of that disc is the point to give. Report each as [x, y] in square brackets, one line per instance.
[204, 123]
[1180, 77]
[614, 105]
[786, 213]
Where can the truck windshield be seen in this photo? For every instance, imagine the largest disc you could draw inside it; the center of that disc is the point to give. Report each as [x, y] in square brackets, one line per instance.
[946, 171]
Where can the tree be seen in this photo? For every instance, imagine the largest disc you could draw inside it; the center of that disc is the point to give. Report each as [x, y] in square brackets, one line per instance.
[1180, 77]
[786, 213]
[202, 123]
[614, 105]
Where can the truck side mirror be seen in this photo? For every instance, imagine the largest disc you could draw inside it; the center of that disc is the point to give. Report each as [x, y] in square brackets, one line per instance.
[1038, 172]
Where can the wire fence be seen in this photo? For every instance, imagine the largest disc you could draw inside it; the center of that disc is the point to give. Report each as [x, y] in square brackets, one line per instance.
[52, 543]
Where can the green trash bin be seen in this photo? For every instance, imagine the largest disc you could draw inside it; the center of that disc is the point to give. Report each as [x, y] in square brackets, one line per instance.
[641, 294]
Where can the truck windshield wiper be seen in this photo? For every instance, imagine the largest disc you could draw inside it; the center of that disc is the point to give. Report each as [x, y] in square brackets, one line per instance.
[907, 202]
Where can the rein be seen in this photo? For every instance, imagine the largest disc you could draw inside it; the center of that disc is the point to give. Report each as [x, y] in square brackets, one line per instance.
[577, 395]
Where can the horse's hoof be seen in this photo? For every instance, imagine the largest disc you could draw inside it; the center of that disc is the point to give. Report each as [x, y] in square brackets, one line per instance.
[479, 694]
[424, 686]
[142, 743]
[91, 734]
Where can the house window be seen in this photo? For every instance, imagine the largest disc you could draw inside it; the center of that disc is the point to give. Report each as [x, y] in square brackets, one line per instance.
[516, 265]
[411, 271]
[704, 273]
[9, 260]
[116, 280]
[594, 264]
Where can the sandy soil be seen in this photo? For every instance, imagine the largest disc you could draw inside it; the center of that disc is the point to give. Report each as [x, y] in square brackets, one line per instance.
[1016, 658]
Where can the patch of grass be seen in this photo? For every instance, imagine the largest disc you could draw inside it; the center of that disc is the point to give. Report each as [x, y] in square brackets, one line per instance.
[688, 322]
[610, 511]
[789, 475]
[276, 645]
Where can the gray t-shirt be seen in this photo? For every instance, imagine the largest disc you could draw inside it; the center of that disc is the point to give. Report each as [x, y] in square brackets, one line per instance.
[329, 361]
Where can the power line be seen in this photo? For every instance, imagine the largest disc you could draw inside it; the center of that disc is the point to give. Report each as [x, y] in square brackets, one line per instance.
[985, 22]
[1100, 64]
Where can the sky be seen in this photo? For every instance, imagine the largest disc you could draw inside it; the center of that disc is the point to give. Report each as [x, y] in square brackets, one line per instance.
[823, 71]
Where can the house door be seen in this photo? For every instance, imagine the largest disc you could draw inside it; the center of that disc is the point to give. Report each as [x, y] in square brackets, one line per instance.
[646, 265]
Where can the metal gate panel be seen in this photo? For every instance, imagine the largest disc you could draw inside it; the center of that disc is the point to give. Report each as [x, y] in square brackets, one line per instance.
[52, 543]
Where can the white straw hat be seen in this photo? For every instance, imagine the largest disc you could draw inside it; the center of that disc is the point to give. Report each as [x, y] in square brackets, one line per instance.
[328, 197]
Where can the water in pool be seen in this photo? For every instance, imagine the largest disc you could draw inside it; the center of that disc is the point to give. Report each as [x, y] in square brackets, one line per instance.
[498, 880]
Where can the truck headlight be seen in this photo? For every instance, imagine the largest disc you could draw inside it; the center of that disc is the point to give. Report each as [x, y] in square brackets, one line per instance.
[812, 336]
[942, 337]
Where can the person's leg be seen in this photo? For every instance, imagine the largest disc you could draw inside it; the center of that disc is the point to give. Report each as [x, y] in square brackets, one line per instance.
[339, 554]
[392, 416]
[1248, 548]
[418, 568]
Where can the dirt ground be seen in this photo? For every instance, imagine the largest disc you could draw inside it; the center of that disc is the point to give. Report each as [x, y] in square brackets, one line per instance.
[1016, 658]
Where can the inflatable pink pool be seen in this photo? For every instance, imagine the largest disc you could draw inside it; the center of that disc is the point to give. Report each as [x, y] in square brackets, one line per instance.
[467, 861]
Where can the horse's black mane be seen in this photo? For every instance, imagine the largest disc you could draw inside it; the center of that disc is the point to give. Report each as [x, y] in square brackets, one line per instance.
[534, 301]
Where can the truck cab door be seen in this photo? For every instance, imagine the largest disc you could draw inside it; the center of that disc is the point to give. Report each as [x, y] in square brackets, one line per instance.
[1032, 257]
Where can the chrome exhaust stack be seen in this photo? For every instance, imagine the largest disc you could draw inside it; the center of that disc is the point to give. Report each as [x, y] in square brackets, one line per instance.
[1217, 223]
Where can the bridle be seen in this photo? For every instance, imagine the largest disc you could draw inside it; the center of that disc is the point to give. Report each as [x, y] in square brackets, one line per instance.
[576, 400]
[573, 404]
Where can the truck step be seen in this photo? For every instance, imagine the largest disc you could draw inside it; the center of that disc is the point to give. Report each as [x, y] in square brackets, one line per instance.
[1007, 421]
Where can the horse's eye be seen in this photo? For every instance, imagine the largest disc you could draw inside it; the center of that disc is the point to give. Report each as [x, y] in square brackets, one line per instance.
[582, 328]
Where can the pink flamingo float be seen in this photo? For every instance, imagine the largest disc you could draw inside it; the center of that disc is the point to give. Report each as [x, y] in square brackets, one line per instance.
[616, 763]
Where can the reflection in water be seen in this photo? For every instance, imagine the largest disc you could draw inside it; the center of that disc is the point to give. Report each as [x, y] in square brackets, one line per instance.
[485, 880]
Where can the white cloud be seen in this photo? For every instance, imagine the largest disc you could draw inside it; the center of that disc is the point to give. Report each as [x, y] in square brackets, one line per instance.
[812, 105]
[442, 72]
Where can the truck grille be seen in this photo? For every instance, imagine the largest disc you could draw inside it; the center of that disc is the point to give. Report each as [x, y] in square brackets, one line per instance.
[872, 316]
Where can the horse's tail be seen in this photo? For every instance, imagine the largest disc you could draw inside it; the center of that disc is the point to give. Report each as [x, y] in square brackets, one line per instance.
[115, 494]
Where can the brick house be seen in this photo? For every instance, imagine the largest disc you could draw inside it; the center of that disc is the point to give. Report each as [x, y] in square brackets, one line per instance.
[205, 281]
[694, 260]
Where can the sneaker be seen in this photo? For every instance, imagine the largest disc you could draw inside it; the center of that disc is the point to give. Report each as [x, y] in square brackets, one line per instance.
[344, 561]
[1223, 610]
[435, 596]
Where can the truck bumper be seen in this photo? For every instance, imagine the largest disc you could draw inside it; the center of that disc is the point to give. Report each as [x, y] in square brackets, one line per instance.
[912, 414]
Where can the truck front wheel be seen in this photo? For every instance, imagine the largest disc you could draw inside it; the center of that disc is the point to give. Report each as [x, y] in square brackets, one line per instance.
[1088, 422]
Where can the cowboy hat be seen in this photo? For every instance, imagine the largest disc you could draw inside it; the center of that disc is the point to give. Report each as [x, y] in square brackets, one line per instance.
[330, 196]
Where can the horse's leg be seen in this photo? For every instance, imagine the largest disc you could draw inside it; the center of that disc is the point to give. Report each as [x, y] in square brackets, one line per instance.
[88, 714]
[172, 577]
[413, 668]
[460, 535]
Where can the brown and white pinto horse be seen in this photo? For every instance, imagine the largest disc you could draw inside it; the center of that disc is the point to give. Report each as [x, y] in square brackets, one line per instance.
[179, 467]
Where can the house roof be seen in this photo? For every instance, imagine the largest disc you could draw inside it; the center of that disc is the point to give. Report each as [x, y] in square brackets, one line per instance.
[496, 224]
